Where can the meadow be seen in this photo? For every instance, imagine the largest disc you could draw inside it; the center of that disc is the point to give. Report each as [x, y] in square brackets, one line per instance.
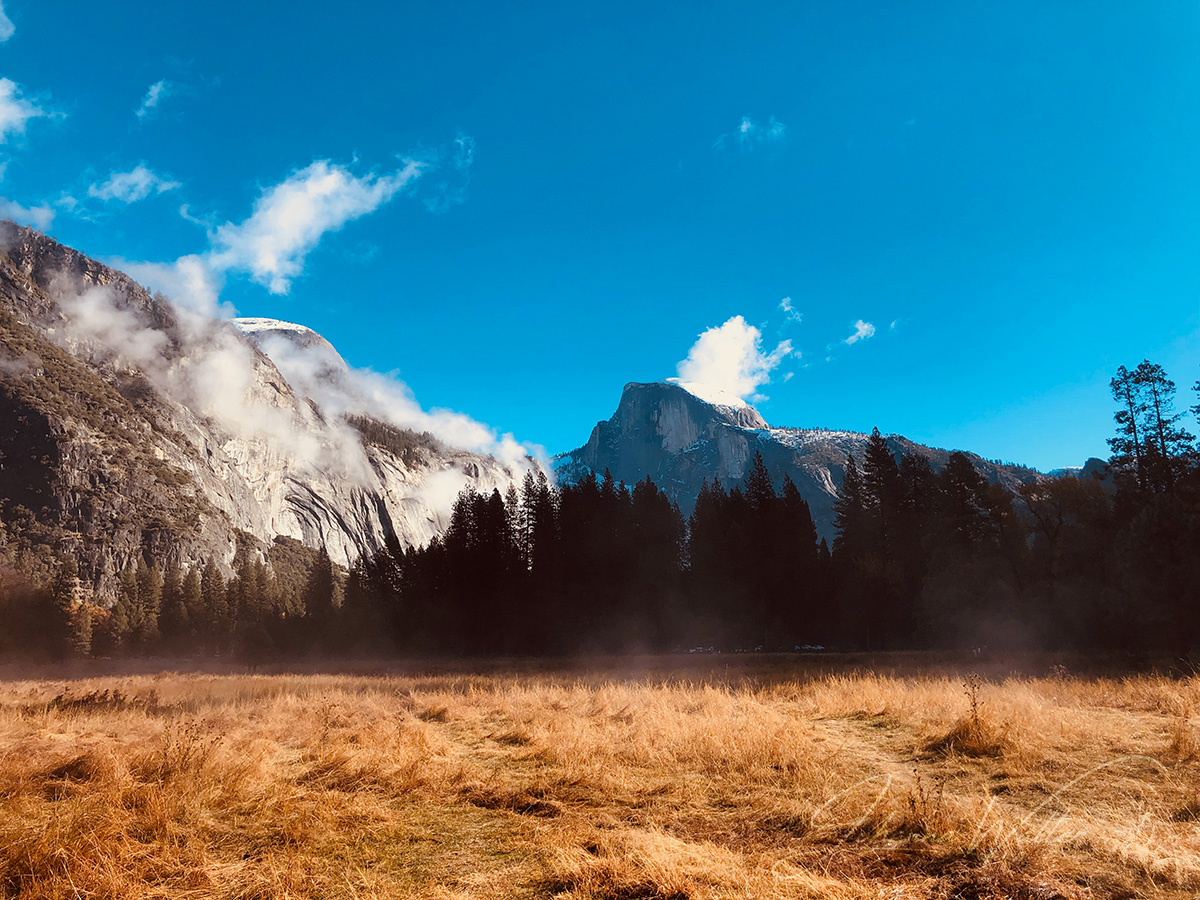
[637, 779]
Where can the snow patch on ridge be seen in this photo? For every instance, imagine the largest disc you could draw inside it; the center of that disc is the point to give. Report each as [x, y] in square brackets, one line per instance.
[253, 325]
[709, 394]
[794, 438]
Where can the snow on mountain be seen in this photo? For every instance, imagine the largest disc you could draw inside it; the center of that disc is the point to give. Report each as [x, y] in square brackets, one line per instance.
[710, 394]
[255, 325]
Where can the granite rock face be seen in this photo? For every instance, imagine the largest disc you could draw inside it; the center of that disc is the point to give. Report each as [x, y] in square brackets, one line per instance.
[131, 426]
[664, 431]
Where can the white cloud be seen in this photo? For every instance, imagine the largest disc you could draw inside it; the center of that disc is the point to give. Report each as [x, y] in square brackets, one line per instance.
[789, 310]
[130, 187]
[185, 213]
[190, 282]
[154, 95]
[290, 219]
[862, 331]
[750, 134]
[15, 110]
[39, 217]
[7, 29]
[728, 362]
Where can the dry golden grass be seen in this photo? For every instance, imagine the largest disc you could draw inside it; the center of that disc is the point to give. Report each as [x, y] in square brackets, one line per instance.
[756, 778]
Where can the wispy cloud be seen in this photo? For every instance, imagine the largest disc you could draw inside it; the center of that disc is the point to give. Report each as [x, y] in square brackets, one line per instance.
[69, 202]
[289, 219]
[727, 363]
[15, 110]
[862, 331]
[155, 94]
[130, 187]
[7, 29]
[451, 172]
[750, 135]
[39, 217]
[189, 281]
[789, 310]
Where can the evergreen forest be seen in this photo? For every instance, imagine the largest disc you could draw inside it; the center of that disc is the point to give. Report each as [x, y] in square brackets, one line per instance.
[923, 559]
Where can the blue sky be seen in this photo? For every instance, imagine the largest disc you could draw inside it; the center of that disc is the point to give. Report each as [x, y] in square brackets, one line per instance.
[519, 208]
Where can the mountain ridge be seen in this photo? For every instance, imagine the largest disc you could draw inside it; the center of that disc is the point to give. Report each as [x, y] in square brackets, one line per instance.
[147, 429]
[665, 431]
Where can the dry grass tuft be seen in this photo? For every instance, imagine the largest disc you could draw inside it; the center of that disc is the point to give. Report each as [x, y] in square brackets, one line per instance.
[974, 737]
[1184, 740]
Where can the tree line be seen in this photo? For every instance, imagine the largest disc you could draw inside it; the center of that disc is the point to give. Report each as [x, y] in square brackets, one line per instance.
[922, 558]
[277, 604]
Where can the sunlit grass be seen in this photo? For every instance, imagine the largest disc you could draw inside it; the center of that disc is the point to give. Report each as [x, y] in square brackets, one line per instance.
[752, 781]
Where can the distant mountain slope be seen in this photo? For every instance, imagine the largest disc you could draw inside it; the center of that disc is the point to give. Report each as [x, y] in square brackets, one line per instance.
[667, 432]
[129, 425]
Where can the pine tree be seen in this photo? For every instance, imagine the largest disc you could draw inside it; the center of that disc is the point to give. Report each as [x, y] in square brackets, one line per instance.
[1150, 445]
[320, 600]
[514, 513]
[149, 597]
[193, 597]
[213, 621]
[798, 564]
[850, 513]
[760, 489]
[655, 548]
[768, 547]
[881, 488]
[1127, 444]
[919, 487]
[1161, 418]
[125, 620]
[911, 540]
[175, 622]
[708, 563]
[64, 599]
[1167, 442]
[81, 630]
[964, 512]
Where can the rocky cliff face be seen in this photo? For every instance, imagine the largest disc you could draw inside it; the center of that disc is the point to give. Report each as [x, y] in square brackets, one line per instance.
[664, 431]
[129, 425]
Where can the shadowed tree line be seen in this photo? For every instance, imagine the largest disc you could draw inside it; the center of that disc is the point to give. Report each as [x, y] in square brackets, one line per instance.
[1106, 560]
[923, 558]
[282, 604]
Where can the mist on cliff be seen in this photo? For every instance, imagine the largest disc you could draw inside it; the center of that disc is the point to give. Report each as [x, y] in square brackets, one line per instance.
[207, 365]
